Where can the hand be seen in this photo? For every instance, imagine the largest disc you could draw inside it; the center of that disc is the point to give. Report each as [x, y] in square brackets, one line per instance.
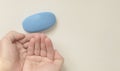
[41, 55]
[12, 53]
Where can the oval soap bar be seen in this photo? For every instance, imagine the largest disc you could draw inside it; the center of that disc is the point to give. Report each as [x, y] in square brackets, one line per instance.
[39, 22]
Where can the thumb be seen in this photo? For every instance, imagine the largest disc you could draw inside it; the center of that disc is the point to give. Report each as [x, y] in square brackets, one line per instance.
[58, 59]
[13, 36]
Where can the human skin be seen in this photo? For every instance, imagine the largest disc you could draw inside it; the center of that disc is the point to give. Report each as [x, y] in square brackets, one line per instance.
[41, 56]
[12, 53]
[15, 53]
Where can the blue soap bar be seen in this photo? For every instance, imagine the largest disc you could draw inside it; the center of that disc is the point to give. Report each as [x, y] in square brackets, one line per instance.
[39, 22]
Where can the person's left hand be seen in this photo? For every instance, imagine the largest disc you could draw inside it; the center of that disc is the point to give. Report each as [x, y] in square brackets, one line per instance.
[13, 51]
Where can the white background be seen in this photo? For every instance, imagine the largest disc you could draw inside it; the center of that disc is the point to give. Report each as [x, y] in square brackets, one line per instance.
[87, 33]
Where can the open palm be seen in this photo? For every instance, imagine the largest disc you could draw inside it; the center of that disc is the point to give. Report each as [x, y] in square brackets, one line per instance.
[41, 56]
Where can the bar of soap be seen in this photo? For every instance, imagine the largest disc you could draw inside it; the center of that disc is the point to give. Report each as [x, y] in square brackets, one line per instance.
[39, 22]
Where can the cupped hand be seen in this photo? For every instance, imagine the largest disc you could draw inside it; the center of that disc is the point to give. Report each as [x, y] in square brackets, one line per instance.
[41, 55]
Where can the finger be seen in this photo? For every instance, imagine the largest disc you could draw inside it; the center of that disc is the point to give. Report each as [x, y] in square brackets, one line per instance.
[58, 59]
[37, 45]
[28, 37]
[49, 47]
[20, 47]
[31, 47]
[26, 45]
[13, 36]
[43, 47]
